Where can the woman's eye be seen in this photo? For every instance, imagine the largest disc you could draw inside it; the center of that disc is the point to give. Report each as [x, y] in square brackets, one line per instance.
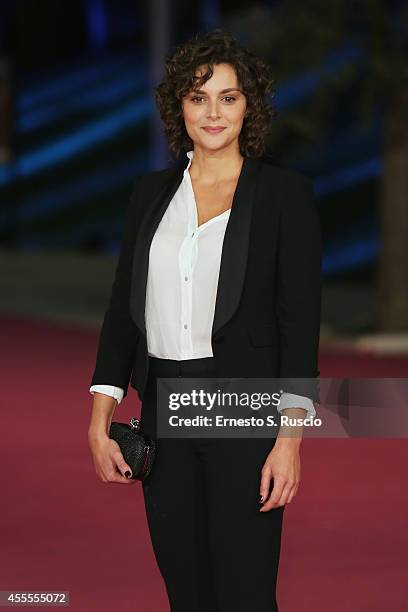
[196, 98]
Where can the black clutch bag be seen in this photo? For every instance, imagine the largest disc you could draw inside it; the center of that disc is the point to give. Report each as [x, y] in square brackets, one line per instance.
[138, 450]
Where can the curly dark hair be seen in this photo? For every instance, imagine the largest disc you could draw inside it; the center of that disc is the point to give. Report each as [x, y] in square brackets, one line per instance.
[254, 77]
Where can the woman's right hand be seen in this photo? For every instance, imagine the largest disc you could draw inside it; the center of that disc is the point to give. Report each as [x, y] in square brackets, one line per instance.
[108, 459]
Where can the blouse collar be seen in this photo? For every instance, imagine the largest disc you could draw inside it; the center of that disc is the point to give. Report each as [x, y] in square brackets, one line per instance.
[190, 158]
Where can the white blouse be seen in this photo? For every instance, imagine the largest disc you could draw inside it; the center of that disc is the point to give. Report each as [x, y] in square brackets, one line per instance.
[184, 265]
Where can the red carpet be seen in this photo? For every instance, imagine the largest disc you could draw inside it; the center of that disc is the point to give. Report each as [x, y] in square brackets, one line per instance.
[345, 536]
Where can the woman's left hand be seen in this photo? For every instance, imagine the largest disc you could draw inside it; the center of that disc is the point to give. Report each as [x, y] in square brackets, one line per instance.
[283, 466]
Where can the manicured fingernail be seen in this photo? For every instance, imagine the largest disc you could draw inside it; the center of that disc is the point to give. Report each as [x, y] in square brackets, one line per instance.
[261, 499]
[128, 474]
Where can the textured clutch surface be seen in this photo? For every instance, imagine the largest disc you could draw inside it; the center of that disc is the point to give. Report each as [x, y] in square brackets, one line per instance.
[137, 449]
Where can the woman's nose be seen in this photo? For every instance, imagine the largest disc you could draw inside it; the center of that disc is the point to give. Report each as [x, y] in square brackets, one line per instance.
[213, 110]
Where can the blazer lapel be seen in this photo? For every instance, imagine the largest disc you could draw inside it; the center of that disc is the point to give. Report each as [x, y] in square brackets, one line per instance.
[235, 246]
[153, 214]
[234, 250]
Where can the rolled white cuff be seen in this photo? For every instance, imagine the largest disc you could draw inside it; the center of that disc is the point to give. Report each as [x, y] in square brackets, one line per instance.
[110, 390]
[291, 400]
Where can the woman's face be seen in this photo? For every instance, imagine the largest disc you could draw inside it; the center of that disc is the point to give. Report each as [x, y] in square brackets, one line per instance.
[218, 103]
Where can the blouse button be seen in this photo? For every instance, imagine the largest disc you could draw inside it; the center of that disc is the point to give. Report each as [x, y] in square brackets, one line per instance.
[185, 326]
[186, 278]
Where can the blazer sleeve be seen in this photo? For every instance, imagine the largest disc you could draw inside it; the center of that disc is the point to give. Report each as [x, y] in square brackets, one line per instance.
[299, 285]
[119, 334]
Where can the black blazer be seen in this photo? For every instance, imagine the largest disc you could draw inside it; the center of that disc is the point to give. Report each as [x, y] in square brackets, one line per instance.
[267, 312]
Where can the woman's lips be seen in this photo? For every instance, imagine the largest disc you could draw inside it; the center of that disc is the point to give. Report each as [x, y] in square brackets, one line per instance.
[213, 130]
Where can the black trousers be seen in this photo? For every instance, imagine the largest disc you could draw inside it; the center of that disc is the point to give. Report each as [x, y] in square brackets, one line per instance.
[216, 552]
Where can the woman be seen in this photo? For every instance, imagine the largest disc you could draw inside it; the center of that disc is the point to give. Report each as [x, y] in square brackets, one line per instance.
[218, 275]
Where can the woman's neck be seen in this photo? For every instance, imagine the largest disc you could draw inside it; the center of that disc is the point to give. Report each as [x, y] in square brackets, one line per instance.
[211, 167]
